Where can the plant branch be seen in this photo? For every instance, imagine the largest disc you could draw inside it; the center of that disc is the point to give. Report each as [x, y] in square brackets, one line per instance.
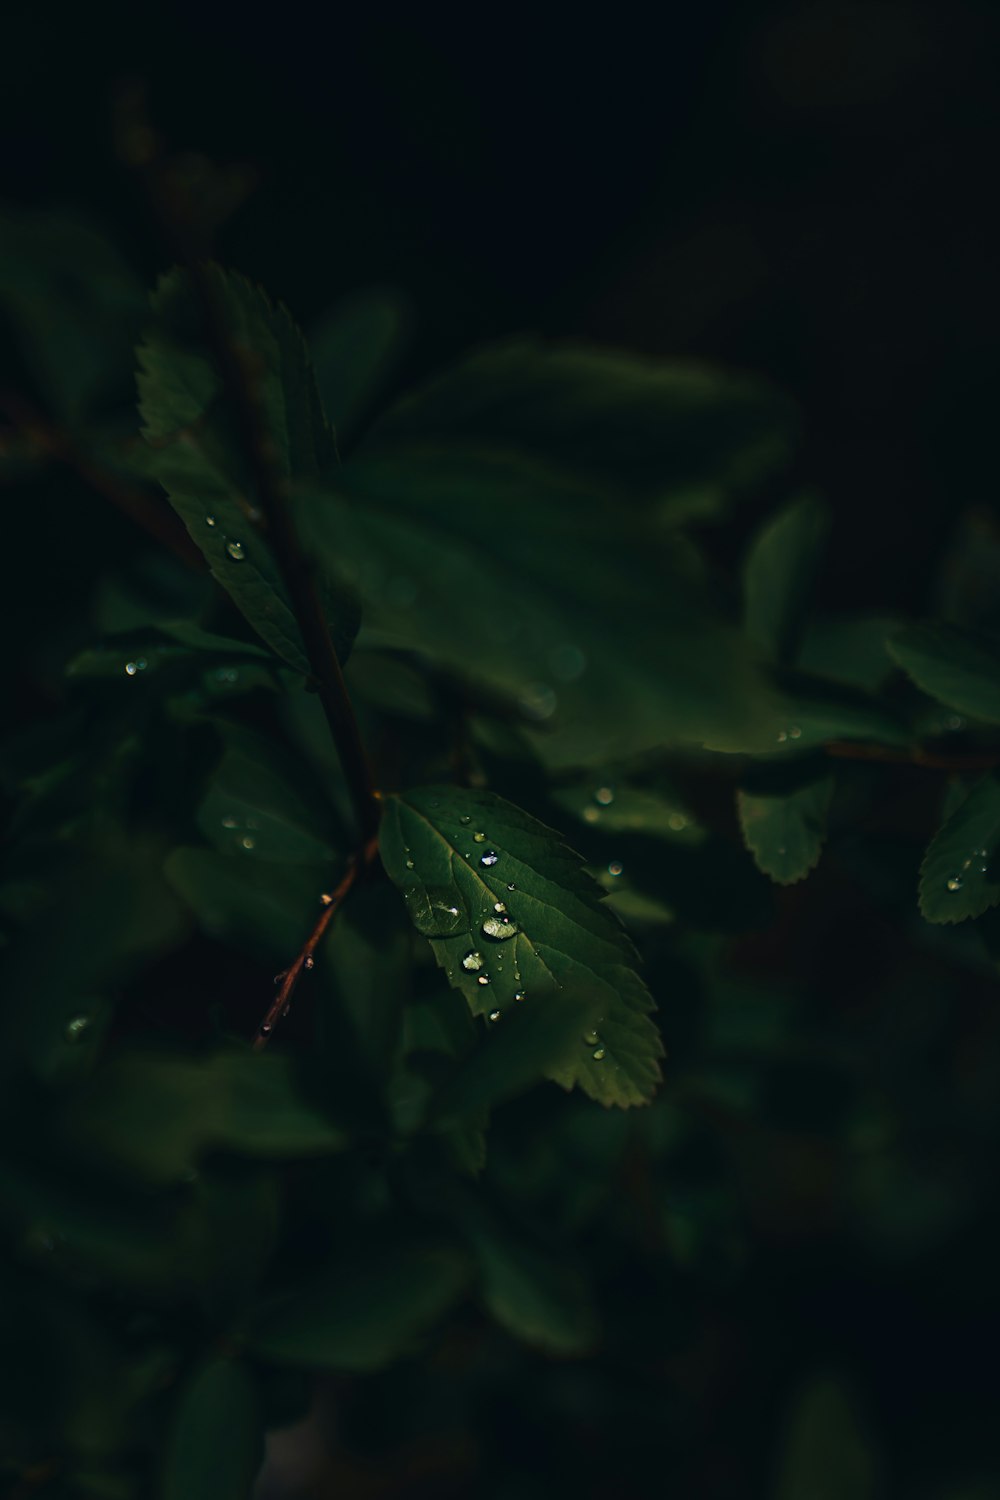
[928, 759]
[332, 902]
[239, 370]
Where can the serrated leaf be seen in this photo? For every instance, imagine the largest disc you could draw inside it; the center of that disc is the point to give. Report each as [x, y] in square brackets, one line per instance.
[959, 876]
[509, 911]
[360, 1314]
[779, 574]
[155, 1115]
[784, 829]
[216, 1443]
[354, 349]
[958, 667]
[197, 459]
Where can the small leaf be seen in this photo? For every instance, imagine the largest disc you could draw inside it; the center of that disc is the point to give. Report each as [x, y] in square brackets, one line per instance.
[216, 1445]
[779, 575]
[197, 459]
[253, 809]
[848, 648]
[523, 919]
[826, 1453]
[154, 1115]
[958, 667]
[360, 1314]
[784, 830]
[960, 875]
[355, 348]
[534, 1295]
[246, 902]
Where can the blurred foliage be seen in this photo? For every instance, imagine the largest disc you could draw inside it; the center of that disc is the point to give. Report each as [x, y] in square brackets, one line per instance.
[608, 756]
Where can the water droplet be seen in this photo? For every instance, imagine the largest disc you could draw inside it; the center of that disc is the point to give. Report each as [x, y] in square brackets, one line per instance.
[131, 668]
[265, 1028]
[539, 702]
[310, 962]
[236, 551]
[599, 1054]
[615, 868]
[795, 733]
[484, 979]
[410, 865]
[591, 814]
[248, 842]
[499, 906]
[141, 664]
[209, 520]
[590, 1039]
[782, 736]
[465, 820]
[954, 721]
[489, 858]
[479, 838]
[604, 795]
[519, 994]
[279, 977]
[325, 898]
[677, 821]
[954, 883]
[230, 822]
[511, 886]
[77, 1028]
[499, 928]
[287, 1010]
[472, 961]
[494, 1016]
[227, 674]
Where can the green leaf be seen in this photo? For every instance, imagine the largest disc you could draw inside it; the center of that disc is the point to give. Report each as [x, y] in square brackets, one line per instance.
[511, 914]
[849, 648]
[611, 808]
[74, 304]
[784, 829]
[958, 667]
[673, 435]
[826, 1453]
[156, 1114]
[196, 458]
[779, 575]
[355, 347]
[249, 903]
[815, 709]
[216, 1445]
[254, 809]
[601, 636]
[959, 876]
[363, 1313]
[534, 1295]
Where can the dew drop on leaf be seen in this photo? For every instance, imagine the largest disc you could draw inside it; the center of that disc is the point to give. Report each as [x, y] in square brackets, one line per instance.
[499, 906]
[489, 858]
[472, 961]
[410, 865]
[599, 1054]
[131, 668]
[479, 838]
[591, 814]
[484, 979]
[77, 1028]
[499, 928]
[519, 994]
[795, 733]
[615, 868]
[209, 520]
[236, 551]
[248, 842]
[954, 883]
[494, 1015]
[590, 1038]
[465, 820]
[511, 886]
[604, 795]
[230, 822]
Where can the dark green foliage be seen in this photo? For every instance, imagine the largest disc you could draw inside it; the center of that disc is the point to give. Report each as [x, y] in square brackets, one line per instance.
[570, 709]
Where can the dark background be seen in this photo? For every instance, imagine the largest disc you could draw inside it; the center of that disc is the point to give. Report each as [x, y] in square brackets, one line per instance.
[799, 189]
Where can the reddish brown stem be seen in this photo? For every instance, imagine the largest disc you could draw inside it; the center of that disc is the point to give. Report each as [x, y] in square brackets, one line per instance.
[928, 759]
[332, 901]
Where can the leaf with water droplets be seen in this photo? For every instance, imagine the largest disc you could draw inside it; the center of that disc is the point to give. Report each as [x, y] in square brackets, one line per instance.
[959, 876]
[259, 803]
[784, 826]
[956, 666]
[566, 940]
[779, 573]
[195, 457]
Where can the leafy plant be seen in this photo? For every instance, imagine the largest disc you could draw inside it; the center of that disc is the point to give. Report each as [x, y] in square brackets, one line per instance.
[448, 713]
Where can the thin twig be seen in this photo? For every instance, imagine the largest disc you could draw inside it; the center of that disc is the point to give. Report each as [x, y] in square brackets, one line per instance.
[928, 760]
[289, 979]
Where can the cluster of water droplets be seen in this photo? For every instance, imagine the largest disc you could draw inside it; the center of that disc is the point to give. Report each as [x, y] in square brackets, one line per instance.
[978, 856]
[592, 1039]
[793, 732]
[243, 832]
[133, 668]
